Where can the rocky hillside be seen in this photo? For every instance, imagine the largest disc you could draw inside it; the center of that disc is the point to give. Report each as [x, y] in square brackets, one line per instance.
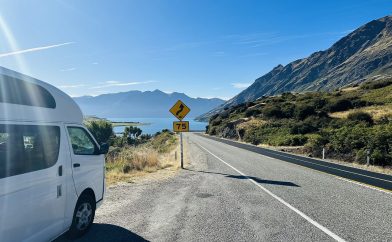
[346, 122]
[364, 53]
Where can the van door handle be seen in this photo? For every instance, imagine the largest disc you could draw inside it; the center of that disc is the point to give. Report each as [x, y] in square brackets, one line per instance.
[76, 165]
[60, 172]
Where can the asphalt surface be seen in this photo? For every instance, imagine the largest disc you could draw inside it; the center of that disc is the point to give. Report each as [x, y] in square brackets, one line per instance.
[232, 194]
[383, 181]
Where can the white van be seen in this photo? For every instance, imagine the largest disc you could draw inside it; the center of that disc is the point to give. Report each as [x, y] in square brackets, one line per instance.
[51, 167]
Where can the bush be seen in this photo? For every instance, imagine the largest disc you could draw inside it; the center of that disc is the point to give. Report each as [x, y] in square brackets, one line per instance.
[252, 112]
[224, 114]
[360, 117]
[360, 156]
[339, 105]
[303, 127]
[349, 138]
[304, 111]
[216, 122]
[273, 112]
[214, 116]
[288, 110]
[315, 144]
[249, 104]
[358, 103]
[376, 84]
[102, 130]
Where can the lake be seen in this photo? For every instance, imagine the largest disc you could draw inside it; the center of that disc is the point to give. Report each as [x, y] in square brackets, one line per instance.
[154, 125]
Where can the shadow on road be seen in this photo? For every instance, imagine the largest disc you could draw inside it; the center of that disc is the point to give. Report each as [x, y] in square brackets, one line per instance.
[256, 179]
[106, 233]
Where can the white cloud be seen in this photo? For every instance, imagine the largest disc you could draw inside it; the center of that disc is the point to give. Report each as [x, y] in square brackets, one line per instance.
[68, 69]
[241, 85]
[121, 84]
[18, 52]
[94, 63]
[220, 97]
[112, 82]
[72, 86]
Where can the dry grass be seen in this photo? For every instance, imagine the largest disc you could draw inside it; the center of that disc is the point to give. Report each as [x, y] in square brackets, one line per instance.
[377, 112]
[128, 163]
[251, 123]
[350, 89]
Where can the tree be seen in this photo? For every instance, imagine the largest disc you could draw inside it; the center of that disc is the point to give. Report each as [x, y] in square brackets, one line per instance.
[132, 133]
[102, 130]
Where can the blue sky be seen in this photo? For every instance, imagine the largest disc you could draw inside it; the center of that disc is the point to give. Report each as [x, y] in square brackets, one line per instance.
[203, 48]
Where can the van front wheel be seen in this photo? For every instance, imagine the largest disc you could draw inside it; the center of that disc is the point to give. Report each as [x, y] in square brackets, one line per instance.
[83, 216]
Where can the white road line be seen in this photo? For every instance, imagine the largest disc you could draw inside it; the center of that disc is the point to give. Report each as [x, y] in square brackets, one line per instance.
[340, 178]
[319, 226]
[298, 159]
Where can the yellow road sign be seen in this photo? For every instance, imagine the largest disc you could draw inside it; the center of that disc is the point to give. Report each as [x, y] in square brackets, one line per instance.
[181, 126]
[180, 110]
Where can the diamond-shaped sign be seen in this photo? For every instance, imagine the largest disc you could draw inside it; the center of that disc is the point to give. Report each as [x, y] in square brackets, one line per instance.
[180, 110]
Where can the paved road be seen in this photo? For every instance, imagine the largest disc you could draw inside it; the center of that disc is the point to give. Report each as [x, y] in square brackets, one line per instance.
[231, 194]
[379, 180]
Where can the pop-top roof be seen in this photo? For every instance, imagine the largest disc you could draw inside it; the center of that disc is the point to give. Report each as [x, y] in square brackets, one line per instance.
[23, 98]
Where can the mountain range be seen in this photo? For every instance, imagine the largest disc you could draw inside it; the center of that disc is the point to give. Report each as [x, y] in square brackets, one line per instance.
[362, 54]
[137, 104]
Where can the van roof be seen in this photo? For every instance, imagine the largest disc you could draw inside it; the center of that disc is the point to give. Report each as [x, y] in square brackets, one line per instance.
[24, 98]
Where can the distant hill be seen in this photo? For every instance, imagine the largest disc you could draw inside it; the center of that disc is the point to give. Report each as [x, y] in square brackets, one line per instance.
[347, 122]
[137, 104]
[364, 53]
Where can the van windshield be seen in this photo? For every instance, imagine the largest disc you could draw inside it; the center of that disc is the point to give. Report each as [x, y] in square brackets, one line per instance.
[27, 148]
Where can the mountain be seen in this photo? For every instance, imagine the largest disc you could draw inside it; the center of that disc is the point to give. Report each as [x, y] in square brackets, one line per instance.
[137, 104]
[364, 53]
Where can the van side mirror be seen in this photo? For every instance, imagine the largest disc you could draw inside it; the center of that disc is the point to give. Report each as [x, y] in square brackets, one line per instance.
[103, 148]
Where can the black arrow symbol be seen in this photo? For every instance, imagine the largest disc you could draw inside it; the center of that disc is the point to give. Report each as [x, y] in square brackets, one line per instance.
[180, 110]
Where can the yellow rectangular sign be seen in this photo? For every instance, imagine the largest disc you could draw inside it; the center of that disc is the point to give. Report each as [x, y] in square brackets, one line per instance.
[180, 110]
[181, 126]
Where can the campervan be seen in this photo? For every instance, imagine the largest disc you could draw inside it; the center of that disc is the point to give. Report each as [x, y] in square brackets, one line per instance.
[51, 167]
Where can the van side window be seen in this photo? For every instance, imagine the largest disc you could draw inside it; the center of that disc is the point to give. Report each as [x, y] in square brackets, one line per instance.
[82, 143]
[27, 148]
[17, 91]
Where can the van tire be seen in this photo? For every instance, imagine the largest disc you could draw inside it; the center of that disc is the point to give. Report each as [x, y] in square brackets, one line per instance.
[83, 216]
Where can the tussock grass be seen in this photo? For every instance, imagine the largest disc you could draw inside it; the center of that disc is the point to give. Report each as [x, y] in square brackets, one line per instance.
[125, 163]
[377, 112]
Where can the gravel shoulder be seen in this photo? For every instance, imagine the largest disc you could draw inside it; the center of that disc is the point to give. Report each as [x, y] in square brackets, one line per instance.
[209, 201]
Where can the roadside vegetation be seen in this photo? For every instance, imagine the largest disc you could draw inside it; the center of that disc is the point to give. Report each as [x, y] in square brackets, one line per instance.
[348, 123]
[134, 153]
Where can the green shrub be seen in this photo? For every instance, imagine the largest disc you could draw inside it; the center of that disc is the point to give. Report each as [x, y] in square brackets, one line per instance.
[102, 130]
[216, 122]
[288, 110]
[252, 112]
[360, 156]
[339, 105]
[303, 111]
[315, 144]
[349, 138]
[272, 112]
[303, 127]
[360, 117]
[224, 114]
[376, 84]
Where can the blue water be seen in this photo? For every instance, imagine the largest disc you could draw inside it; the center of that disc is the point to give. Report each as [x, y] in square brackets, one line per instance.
[157, 124]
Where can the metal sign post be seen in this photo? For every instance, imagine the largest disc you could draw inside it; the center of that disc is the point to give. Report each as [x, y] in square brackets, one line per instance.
[182, 152]
[180, 110]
